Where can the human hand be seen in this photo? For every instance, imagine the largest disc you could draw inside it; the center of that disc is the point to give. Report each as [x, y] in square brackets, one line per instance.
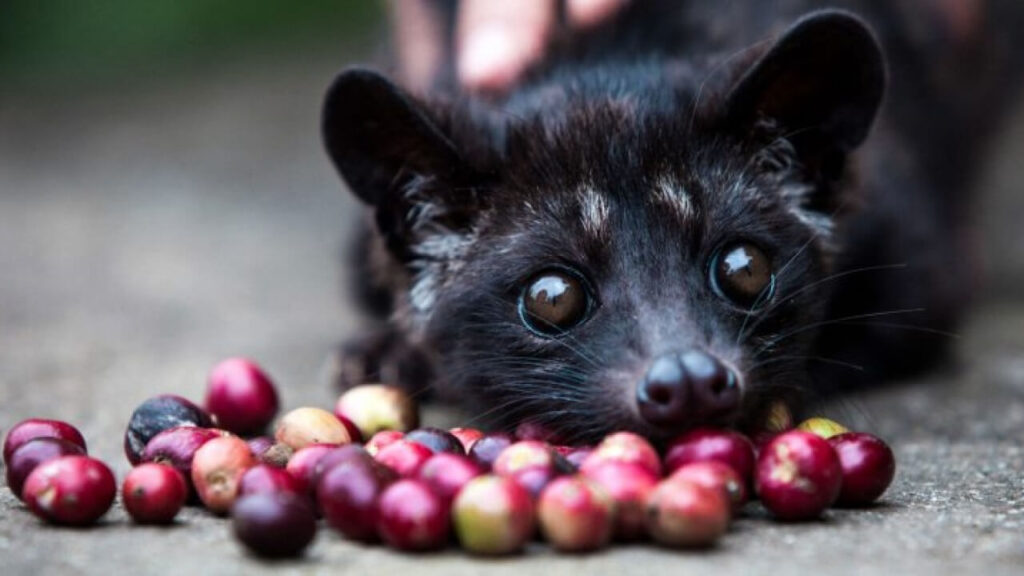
[495, 40]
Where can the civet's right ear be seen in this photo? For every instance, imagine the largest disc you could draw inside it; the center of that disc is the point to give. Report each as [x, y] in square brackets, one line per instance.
[395, 157]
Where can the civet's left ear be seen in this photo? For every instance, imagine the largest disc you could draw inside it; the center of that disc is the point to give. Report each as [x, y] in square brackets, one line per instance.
[821, 83]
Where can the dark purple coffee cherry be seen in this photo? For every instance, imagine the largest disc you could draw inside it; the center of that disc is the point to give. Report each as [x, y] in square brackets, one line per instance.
[156, 415]
[33, 428]
[33, 453]
[348, 496]
[302, 465]
[274, 524]
[336, 456]
[437, 440]
[486, 450]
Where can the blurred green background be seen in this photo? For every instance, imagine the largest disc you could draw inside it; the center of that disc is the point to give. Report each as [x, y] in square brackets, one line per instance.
[89, 41]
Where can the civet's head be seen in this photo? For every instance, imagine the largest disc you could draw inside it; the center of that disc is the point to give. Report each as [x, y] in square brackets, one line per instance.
[637, 247]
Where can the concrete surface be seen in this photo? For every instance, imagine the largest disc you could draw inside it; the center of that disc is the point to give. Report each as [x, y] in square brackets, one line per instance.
[147, 231]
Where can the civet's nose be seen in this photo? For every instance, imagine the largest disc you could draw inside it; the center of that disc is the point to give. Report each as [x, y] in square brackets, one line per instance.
[681, 388]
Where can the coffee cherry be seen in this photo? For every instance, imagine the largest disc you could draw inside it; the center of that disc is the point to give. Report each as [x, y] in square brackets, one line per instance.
[575, 515]
[304, 426]
[523, 454]
[412, 517]
[336, 456]
[446, 474]
[822, 427]
[577, 455]
[436, 439]
[625, 447]
[348, 495]
[383, 439]
[467, 436]
[353, 431]
[274, 524]
[259, 446]
[376, 407]
[302, 465]
[531, 463]
[775, 419]
[217, 469]
[72, 490]
[716, 475]
[404, 457]
[33, 453]
[28, 430]
[487, 449]
[176, 447]
[684, 514]
[493, 515]
[156, 415]
[868, 467]
[331, 458]
[241, 396]
[535, 478]
[798, 475]
[629, 485]
[262, 478]
[709, 444]
[153, 493]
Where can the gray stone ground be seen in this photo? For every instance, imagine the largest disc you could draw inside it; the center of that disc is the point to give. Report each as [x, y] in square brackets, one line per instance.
[146, 232]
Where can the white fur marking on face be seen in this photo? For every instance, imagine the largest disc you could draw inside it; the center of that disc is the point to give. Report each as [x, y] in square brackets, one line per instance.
[423, 294]
[795, 195]
[439, 256]
[819, 223]
[779, 158]
[674, 198]
[594, 212]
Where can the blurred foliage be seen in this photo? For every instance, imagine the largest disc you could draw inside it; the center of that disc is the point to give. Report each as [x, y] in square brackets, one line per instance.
[89, 40]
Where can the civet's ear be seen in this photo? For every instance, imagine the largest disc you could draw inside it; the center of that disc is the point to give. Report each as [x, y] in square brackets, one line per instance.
[395, 157]
[821, 82]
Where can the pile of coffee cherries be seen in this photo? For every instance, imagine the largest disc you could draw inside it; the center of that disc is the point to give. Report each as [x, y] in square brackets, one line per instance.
[374, 475]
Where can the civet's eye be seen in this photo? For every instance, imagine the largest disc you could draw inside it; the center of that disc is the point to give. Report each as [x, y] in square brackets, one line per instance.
[743, 273]
[554, 301]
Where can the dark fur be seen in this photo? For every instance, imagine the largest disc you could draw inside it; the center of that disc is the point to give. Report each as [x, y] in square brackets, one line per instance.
[718, 100]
